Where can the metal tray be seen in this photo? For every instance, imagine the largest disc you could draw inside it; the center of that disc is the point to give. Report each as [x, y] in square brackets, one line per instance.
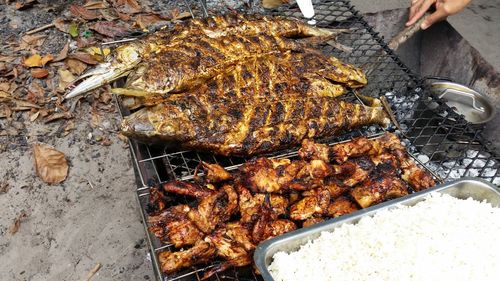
[464, 188]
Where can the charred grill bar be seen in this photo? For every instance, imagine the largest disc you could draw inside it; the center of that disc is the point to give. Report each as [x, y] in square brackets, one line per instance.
[439, 139]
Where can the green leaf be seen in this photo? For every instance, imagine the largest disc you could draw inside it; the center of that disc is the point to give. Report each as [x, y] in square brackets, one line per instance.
[87, 34]
[73, 30]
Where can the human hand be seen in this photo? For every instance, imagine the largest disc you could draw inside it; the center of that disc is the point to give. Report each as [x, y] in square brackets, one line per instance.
[444, 8]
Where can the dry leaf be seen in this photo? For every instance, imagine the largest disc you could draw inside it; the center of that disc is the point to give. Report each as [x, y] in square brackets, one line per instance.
[63, 53]
[7, 58]
[144, 21]
[25, 4]
[95, 51]
[92, 5]
[271, 4]
[4, 86]
[33, 61]
[109, 29]
[65, 78]
[17, 223]
[37, 61]
[39, 72]
[128, 6]
[181, 16]
[32, 40]
[61, 24]
[83, 12]
[34, 116]
[75, 66]
[109, 14]
[84, 57]
[57, 116]
[51, 165]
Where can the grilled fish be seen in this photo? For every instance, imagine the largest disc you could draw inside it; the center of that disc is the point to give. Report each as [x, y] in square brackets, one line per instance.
[274, 76]
[128, 56]
[248, 128]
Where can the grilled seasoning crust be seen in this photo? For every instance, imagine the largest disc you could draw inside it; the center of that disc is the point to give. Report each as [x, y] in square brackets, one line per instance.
[247, 129]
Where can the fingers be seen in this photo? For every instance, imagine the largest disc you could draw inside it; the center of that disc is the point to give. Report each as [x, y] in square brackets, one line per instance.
[438, 15]
[420, 8]
[415, 4]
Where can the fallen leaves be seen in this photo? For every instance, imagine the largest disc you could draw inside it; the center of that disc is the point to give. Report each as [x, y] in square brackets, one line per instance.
[92, 4]
[128, 6]
[65, 78]
[109, 29]
[14, 228]
[51, 165]
[75, 66]
[63, 54]
[144, 21]
[83, 13]
[21, 5]
[39, 72]
[37, 61]
[84, 57]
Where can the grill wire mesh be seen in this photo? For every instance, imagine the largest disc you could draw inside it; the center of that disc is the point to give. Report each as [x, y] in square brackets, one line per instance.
[440, 139]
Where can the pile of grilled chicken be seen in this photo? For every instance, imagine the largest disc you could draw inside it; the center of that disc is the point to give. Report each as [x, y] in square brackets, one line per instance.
[264, 198]
[234, 85]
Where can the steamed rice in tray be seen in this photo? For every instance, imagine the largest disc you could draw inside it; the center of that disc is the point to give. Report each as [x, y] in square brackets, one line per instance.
[440, 238]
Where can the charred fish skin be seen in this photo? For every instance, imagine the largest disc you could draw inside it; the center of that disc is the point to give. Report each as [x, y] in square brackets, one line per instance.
[128, 56]
[249, 129]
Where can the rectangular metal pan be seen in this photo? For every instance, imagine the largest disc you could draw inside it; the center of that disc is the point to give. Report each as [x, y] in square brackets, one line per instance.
[464, 188]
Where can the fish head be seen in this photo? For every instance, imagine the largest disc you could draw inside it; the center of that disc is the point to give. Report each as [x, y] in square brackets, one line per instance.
[163, 122]
[124, 59]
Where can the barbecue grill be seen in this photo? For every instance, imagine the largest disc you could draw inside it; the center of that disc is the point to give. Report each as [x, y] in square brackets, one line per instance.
[438, 138]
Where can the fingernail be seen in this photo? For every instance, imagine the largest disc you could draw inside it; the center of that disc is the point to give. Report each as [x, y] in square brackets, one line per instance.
[424, 26]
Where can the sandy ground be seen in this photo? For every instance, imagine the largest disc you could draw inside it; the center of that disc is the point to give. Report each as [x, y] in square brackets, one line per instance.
[72, 226]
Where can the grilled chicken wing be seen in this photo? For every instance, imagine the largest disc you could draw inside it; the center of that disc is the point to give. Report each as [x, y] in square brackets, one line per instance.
[186, 188]
[382, 184]
[157, 200]
[200, 253]
[341, 206]
[183, 232]
[214, 209]
[158, 223]
[311, 205]
[312, 221]
[418, 178]
[250, 205]
[214, 173]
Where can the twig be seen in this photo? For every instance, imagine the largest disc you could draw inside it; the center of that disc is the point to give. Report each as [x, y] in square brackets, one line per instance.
[404, 35]
[40, 28]
[93, 272]
[90, 183]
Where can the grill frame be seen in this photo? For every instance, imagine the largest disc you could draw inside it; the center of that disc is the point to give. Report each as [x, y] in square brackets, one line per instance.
[425, 132]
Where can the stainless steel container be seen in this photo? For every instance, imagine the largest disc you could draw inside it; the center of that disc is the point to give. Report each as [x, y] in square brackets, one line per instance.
[475, 107]
[463, 188]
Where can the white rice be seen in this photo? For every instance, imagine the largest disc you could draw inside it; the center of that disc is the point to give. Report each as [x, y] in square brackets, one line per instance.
[440, 238]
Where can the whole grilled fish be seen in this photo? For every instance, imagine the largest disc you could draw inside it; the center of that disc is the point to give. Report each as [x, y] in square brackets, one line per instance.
[272, 76]
[248, 128]
[127, 57]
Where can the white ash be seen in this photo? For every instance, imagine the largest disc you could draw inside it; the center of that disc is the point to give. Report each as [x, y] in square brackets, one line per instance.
[423, 158]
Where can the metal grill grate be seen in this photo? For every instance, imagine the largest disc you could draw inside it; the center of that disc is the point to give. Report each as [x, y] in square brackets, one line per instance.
[439, 139]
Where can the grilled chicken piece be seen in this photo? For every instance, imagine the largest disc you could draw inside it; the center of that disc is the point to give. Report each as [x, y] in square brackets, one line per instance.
[311, 205]
[157, 200]
[341, 206]
[215, 209]
[127, 57]
[418, 178]
[343, 151]
[200, 253]
[312, 221]
[214, 173]
[250, 205]
[186, 188]
[158, 223]
[278, 227]
[382, 184]
[363, 166]
[183, 233]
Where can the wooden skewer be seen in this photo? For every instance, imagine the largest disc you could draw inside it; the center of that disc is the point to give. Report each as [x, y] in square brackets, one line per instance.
[40, 28]
[93, 272]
